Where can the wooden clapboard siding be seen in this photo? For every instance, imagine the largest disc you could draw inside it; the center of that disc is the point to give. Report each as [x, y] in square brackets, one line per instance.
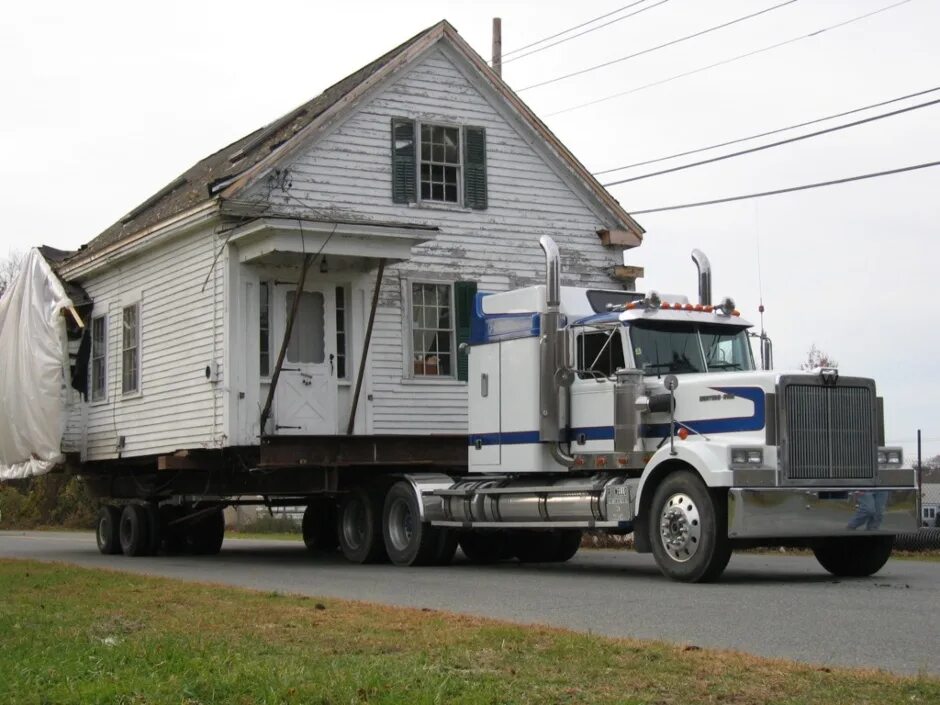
[181, 332]
[348, 173]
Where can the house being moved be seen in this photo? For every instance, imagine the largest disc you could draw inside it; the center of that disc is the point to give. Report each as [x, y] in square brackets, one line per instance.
[365, 220]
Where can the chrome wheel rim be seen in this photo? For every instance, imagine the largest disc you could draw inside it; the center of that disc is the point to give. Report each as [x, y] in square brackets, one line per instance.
[354, 523]
[680, 527]
[401, 525]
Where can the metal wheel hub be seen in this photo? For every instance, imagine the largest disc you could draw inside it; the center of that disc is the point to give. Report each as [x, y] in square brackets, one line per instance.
[680, 527]
[401, 524]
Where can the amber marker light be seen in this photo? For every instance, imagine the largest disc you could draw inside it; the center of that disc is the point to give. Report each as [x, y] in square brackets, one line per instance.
[683, 433]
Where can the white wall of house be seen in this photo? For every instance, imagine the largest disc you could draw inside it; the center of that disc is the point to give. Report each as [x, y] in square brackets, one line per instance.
[181, 328]
[346, 174]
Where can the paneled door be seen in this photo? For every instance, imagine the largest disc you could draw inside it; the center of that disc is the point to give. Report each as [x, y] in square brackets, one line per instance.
[306, 398]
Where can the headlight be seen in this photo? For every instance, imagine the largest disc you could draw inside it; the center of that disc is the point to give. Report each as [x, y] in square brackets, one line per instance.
[747, 457]
[890, 457]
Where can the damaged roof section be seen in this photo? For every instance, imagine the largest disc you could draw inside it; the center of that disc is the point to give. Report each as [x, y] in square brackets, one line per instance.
[201, 182]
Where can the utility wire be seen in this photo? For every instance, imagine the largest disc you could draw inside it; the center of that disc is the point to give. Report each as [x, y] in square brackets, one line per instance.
[768, 133]
[657, 47]
[778, 143]
[791, 189]
[728, 61]
[571, 29]
[588, 31]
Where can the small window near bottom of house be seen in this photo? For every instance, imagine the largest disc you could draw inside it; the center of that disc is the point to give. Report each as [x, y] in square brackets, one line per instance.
[99, 356]
[264, 329]
[130, 350]
[341, 332]
[432, 329]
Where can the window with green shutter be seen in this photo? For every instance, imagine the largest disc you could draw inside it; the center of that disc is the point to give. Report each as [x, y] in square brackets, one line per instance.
[464, 295]
[438, 164]
[404, 181]
[474, 168]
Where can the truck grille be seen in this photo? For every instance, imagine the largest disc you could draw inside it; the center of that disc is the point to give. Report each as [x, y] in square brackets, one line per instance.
[830, 431]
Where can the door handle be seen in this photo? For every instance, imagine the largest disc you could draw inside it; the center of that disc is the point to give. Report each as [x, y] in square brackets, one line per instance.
[331, 364]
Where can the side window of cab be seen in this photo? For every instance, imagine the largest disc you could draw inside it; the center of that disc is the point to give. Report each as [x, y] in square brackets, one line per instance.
[599, 352]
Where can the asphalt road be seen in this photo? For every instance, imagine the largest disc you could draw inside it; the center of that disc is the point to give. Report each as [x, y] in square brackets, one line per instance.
[777, 606]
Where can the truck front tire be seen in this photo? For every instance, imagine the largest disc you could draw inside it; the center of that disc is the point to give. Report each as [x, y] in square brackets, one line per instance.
[359, 526]
[204, 535]
[485, 547]
[107, 530]
[688, 529]
[853, 556]
[540, 546]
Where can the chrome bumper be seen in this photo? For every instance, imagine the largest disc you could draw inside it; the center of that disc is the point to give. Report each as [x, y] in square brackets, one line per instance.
[790, 512]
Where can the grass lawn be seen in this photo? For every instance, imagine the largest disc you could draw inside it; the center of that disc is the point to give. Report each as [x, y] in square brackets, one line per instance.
[74, 635]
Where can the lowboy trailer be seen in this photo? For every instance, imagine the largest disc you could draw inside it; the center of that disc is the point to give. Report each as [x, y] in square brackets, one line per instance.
[598, 410]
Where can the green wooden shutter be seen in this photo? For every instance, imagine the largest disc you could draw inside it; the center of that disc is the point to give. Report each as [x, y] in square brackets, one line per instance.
[464, 295]
[404, 183]
[474, 167]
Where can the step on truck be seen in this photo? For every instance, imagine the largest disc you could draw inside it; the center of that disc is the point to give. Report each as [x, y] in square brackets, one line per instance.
[589, 410]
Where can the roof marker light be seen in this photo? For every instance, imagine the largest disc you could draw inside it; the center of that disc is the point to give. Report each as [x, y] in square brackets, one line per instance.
[726, 307]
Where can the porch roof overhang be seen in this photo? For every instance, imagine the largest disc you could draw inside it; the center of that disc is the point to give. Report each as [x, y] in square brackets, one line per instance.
[265, 236]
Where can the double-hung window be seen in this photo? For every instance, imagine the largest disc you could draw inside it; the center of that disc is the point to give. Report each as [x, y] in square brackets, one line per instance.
[130, 349]
[435, 163]
[99, 358]
[440, 322]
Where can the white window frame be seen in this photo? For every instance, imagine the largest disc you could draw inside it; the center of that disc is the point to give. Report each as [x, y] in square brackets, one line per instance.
[103, 399]
[262, 285]
[419, 125]
[408, 333]
[136, 391]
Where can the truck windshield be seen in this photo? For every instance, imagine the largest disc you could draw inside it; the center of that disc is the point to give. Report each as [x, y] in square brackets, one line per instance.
[680, 348]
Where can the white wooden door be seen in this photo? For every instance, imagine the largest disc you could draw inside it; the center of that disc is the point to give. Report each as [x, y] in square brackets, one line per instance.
[305, 398]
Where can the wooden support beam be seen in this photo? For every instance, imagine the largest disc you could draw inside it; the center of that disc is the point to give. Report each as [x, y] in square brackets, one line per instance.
[365, 349]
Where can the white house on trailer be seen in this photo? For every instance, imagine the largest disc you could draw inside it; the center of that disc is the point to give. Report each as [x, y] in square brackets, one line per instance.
[422, 171]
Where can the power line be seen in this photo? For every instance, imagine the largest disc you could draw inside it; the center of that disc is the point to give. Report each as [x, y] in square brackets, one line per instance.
[768, 133]
[657, 47]
[727, 61]
[587, 31]
[791, 189]
[571, 29]
[778, 143]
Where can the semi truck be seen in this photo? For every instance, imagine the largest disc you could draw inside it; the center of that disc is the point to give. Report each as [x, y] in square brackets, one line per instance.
[589, 410]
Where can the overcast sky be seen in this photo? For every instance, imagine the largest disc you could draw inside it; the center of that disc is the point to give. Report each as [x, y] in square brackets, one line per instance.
[105, 102]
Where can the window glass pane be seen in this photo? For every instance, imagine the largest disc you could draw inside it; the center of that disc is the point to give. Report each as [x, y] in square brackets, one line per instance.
[307, 336]
[432, 329]
[264, 328]
[130, 357]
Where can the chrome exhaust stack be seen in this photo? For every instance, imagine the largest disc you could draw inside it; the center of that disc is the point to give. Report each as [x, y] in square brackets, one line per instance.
[554, 373]
[704, 277]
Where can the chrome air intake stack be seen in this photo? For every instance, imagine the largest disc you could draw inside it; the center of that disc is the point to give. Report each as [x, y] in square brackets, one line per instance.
[704, 277]
[554, 374]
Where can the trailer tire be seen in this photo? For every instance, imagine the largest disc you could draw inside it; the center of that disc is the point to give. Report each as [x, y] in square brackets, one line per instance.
[552, 546]
[204, 536]
[853, 556]
[174, 537]
[154, 528]
[319, 526]
[134, 530]
[485, 547]
[359, 526]
[688, 529]
[107, 530]
[408, 540]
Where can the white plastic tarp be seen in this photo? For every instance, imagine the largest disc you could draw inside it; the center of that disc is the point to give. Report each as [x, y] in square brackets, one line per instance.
[33, 364]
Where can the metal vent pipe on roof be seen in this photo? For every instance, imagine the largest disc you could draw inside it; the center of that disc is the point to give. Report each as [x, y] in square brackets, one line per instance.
[704, 277]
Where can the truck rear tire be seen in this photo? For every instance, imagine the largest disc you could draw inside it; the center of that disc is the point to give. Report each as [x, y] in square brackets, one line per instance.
[319, 526]
[853, 556]
[107, 530]
[359, 526]
[408, 540]
[134, 531]
[485, 547]
[688, 529]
